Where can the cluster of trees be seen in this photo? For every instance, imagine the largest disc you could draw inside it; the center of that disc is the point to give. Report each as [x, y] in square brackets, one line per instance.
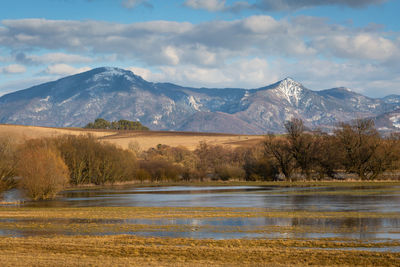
[43, 167]
[354, 149]
[101, 123]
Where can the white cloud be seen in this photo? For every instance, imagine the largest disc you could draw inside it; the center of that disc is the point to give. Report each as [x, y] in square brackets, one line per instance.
[276, 5]
[218, 53]
[247, 73]
[64, 69]
[135, 3]
[171, 55]
[210, 5]
[279, 5]
[52, 58]
[142, 72]
[163, 42]
[13, 69]
[362, 46]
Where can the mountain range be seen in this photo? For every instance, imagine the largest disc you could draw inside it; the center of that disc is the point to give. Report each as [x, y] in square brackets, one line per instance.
[114, 94]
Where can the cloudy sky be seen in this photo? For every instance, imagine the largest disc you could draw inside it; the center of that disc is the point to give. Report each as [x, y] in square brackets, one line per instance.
[205, 43]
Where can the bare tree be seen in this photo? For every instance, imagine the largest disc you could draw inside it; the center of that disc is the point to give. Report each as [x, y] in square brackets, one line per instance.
[361, 148]
[302, 145]
[279, 149]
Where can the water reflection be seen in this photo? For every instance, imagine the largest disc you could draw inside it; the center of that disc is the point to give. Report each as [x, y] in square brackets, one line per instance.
[221, 228]
[279, 198]
[270, 197]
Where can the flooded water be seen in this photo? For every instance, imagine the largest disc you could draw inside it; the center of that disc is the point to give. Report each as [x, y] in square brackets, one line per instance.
[270, 197]
[314, 199]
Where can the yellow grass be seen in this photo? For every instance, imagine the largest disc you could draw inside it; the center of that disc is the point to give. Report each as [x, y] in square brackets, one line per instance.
[125, 250]
[145, 139]
[130, 250]
[176, 212]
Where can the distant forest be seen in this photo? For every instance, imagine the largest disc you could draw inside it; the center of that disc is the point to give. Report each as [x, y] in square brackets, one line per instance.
[356, 151]
[101, 123]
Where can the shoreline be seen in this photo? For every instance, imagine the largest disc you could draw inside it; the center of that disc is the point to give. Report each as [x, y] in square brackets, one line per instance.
[329, 183]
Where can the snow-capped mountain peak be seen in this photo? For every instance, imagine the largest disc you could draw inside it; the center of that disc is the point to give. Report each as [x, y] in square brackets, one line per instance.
[291, 90]
[108, 73]
[115, 94]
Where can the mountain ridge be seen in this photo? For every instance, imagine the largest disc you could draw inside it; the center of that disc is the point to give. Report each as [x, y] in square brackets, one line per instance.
[114, 93]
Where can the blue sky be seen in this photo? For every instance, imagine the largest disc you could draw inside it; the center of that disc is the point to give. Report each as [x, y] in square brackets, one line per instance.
[205, 43]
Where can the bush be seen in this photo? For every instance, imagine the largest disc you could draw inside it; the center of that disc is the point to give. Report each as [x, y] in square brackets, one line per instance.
[43, 172]
[227, 172]
[161, 170]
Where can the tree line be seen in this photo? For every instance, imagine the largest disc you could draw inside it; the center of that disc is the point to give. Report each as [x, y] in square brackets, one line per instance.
[43, 167]
[101, 123]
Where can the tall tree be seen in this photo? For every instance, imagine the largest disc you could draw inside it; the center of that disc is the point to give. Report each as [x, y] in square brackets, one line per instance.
[302, 145]
[360, 146]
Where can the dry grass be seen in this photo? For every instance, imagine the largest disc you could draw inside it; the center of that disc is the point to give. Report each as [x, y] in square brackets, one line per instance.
[51, 248]
[175, 213]
[125, 250]
[145, 139]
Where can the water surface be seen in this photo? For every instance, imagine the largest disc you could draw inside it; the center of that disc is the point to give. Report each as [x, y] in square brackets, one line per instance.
[378, 200]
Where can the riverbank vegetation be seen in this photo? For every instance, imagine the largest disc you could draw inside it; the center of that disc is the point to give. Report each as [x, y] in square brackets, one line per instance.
[354, 151]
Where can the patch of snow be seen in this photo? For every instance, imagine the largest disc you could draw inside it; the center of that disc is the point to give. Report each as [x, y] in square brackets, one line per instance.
[395, 119]
[246, 95]
[68, 100]
[194, 104]
[372, 105]
[168, 107]
[291, 90]
[39, 108]
[109, 74]
[45, 99]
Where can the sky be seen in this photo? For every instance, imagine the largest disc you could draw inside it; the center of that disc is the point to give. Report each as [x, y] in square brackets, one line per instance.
[205, 43]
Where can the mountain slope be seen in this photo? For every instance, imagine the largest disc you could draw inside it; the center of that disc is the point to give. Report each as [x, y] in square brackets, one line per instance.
[114, 94]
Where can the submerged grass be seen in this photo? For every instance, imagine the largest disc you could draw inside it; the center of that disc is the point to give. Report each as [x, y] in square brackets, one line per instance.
[177, 212]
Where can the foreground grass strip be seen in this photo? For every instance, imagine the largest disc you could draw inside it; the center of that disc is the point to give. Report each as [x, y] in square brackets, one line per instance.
[174, 212]
[136, 251]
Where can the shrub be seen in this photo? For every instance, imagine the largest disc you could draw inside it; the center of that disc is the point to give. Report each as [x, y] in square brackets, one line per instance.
[43, 172]
[228, 172]
[161, 170]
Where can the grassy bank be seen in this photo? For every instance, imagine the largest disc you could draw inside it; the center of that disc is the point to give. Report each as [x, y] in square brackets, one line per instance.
[327, 183]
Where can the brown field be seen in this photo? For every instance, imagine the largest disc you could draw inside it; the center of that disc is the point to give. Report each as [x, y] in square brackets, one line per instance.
[145, 139]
